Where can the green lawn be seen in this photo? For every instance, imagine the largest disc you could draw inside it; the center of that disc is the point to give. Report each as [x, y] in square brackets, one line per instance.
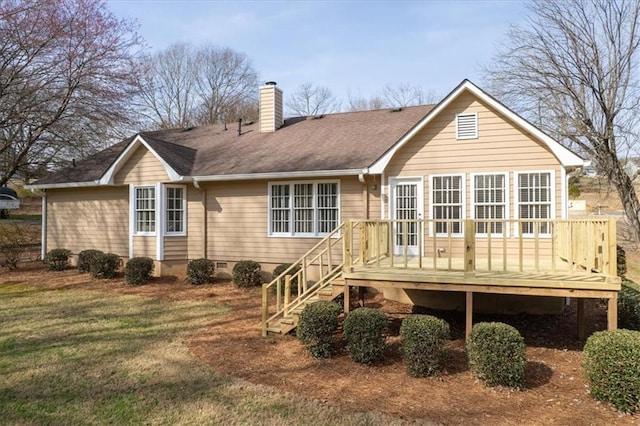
[83, 357]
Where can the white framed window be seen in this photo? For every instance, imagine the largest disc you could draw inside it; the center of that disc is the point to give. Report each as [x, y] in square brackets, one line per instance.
[307, 209]
[490, 201]
[175, 210]
[144, 210]
[447, 204]
[535, 195]
[467, 126]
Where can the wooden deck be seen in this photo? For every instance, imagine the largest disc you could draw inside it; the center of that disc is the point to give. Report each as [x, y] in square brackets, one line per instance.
[555, 258]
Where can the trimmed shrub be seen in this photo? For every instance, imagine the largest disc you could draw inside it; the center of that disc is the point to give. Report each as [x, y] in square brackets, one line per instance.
[105, 265]
[85, 257]
[58, 259]
[246, 273]
[629, 305]
[317, 326]
[612, 367]
[294, 280]
[621, 261]
[423, 339]
[496, 354]
[364, 334]
[138, 270]
[200, 271]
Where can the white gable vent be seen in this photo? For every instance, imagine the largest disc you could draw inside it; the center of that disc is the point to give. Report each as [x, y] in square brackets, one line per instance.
[467, 126]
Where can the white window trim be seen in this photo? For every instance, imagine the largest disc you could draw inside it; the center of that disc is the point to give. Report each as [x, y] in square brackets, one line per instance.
[516, 201]
[291, 233]
[420, 200]
[472, 184]
[475, 135]
[132, 203]
[464, 206]
[182, 233]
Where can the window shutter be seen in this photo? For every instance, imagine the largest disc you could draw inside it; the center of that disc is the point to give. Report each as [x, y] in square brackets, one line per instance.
[466, 126]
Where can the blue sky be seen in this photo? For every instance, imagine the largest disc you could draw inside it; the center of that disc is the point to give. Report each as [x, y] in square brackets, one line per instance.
[349, 46]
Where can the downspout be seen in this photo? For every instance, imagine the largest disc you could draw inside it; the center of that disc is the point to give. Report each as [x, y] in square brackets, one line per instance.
[203, 199]
[365, 195]
[43, 244]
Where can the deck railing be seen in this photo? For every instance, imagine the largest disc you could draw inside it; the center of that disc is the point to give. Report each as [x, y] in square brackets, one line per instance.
[578, 246]
[313, 271]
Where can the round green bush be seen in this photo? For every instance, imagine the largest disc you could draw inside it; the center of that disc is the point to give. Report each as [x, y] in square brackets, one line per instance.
[58, 259]
[138, 270]
[278, 270]
[246, 273]
[629, 305]
[200, 271]
[317, 326]
[85, 257]
[423, 339]
[105, 265]
[612, 367]
[364, 333]
[496, 353]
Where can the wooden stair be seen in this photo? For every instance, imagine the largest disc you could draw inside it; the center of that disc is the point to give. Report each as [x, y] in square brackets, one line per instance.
[289, 322]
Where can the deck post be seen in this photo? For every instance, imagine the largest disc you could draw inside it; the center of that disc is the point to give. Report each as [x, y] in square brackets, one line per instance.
[613, 249]
[612, 312]
[347, 301]
[346, 247]
[287, 293]
[468, 315]
[265, 309]
[470, 247]
[580, 318]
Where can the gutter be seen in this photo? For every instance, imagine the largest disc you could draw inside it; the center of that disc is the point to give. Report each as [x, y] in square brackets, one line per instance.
[35, 186]
[276, 175]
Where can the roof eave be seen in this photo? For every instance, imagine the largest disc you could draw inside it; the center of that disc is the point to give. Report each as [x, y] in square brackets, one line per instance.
[278, 175]
[63, 185]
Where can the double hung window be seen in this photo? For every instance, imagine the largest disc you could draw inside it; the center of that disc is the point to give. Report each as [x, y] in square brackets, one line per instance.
[303, 208]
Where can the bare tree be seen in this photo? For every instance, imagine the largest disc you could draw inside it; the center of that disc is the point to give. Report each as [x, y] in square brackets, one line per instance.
[226, 83]
[406, 94]
[170, 84]
[312, 100]
[573, 68]
[186, 86]
[356, 102]
[67, 72]
[397, 96]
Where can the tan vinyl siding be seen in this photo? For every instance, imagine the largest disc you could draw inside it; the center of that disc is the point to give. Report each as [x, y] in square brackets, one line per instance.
[89, 218]
[238, 222]
[144, 246]
[500, 147]
[270, 109]
[175, 248]
[141, 168]
[195, 223]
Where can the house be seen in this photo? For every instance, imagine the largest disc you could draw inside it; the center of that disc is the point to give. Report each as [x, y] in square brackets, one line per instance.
[467, 172]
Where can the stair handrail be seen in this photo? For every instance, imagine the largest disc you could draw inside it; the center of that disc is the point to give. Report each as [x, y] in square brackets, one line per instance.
[327, 244]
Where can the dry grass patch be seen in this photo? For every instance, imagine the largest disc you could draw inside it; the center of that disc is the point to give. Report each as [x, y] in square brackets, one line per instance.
[70, 356]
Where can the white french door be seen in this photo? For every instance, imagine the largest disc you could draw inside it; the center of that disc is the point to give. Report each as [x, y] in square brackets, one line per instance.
[407, 205]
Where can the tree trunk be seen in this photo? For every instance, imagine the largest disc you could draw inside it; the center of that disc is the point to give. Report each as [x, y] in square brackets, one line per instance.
[628, 197]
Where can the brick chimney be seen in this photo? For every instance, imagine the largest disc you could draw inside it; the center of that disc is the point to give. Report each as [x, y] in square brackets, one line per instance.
[270, 107]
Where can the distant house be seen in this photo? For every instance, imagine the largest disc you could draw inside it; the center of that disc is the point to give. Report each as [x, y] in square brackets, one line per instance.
[632, 166]
[272, 190]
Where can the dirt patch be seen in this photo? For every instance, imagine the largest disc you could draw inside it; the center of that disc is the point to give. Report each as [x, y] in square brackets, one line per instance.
[555, 393]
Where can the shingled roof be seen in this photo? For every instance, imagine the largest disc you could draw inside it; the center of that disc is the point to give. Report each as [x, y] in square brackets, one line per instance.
[332, 142]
